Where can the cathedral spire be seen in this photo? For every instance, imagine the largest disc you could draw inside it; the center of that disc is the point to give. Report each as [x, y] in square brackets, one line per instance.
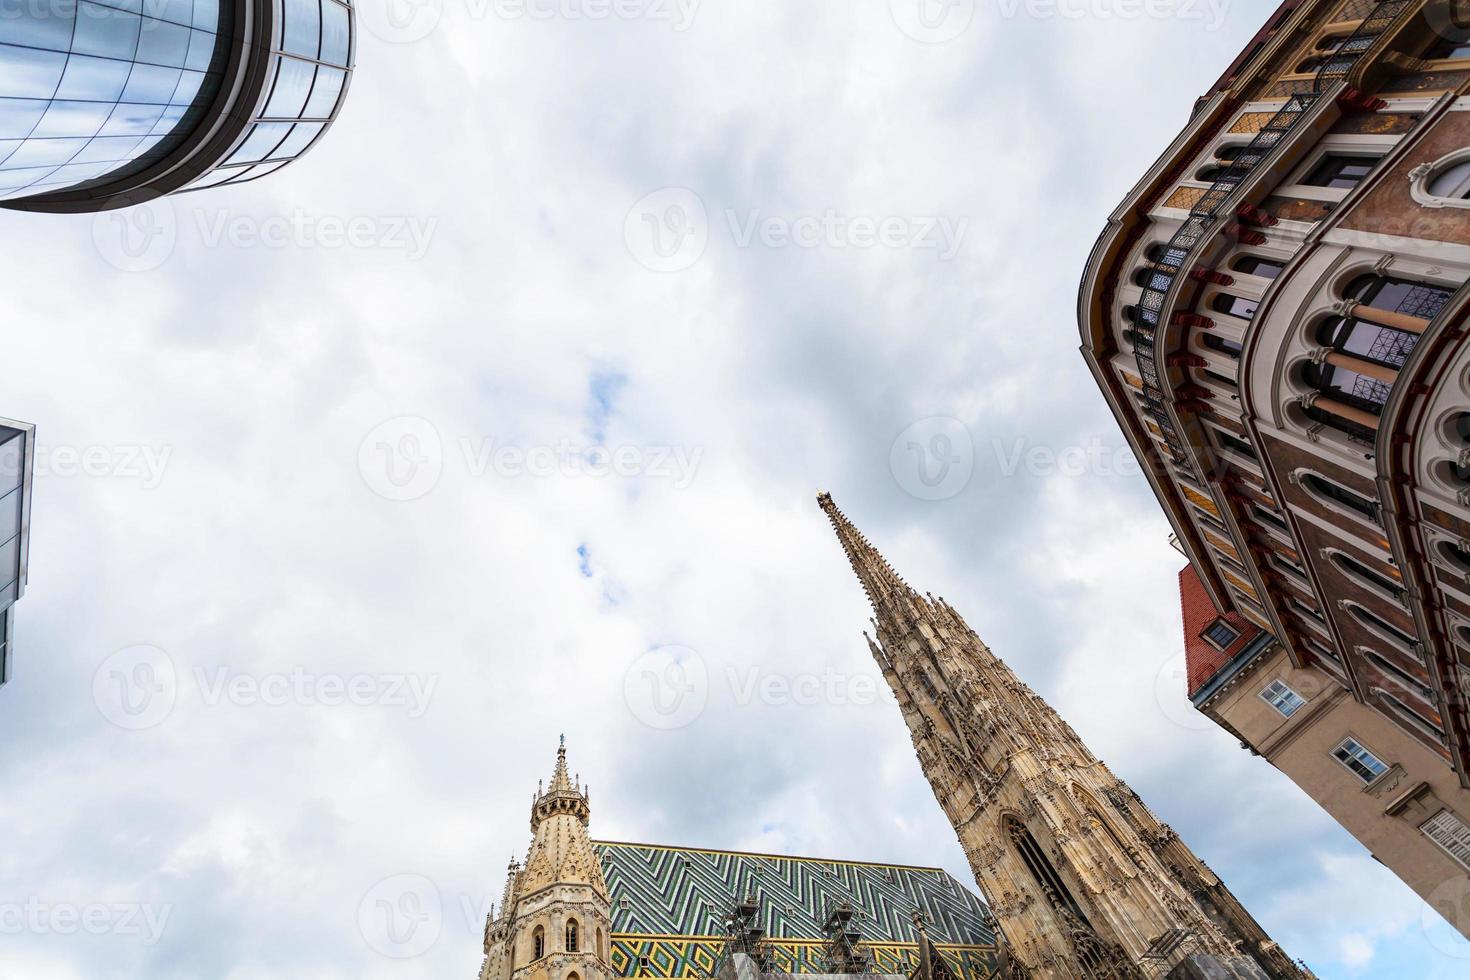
[879, 579]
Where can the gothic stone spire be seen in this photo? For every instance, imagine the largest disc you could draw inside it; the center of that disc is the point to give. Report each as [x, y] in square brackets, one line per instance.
[1077, 871]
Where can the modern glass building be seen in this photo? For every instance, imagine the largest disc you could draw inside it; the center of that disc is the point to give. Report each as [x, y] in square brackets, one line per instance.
[107, 103]
[17, 465]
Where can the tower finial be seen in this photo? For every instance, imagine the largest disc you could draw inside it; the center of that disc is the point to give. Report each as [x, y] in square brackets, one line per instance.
[879, 579]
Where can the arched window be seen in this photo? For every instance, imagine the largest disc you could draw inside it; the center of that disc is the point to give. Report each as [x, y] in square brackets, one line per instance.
[1218, 378]
[1234, 305]
[1456, 555]
[1367, 576]
[1212, 173]
[1368, 341]
[1457, 429]
[1224, 345]
[1232, 152]
[1148, 278]
[1311, 65]
[1399, 674]
[600, 950]
[1462, 634]
[1453, 472]
[1331, 42]
[1447, 48]
[1328, 491]
[1408, 296]
[1347, 386]
[1380, 626]
[1452, 181]
[1412, 718]
[1234, 443]
[1255, 265]
[538, 943]
[572, 936]
[1052, 886]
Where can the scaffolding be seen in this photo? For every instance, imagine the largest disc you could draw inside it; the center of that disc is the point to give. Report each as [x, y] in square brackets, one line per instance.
[844, 949]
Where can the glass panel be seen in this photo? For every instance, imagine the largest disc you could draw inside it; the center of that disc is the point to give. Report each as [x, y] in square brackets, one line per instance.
[96, 79]
[205, 15]
[10, 515]
[163, 44]
[131, 119]
[106, 32]
[38, 23]
[151, 83]
[114, 148]
[1447, 182]
[201, 50]
[303, 28]
[261, 141]
[28, 73]
[72, 119]
[44, 153]
[19, 116]
[324, 95]
[11, 180]
[11, 460]
[177, 11]
[335, 33]
[293, 85]
[301, 135]
[9, 561]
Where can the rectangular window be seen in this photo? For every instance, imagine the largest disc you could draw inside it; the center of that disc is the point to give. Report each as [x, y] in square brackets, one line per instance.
[1221, 634]
[1340, 170]
[1282, 698]
[1449, 832]
[1364, 764]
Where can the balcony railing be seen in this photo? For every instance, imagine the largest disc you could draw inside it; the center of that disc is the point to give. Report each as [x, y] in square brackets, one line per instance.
[1207, 212]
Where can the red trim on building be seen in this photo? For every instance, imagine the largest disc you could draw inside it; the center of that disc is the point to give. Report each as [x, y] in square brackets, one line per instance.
[1201, 657]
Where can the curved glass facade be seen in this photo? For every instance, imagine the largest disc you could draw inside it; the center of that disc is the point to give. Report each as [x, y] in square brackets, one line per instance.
[311, 59]
[101, 100]
[93, 87]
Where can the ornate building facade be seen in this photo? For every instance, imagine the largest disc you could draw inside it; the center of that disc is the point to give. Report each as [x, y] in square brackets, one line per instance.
[579, 909]
[1083, 879]
[1277, 316]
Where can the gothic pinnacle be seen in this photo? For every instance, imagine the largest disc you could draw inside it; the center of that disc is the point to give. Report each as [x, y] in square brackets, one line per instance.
[879, 580]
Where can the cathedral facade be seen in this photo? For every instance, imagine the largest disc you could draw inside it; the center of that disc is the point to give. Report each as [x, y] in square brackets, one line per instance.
[1084, 881]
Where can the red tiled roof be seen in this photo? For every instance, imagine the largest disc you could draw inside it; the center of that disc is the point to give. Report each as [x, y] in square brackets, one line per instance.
[1202, 658]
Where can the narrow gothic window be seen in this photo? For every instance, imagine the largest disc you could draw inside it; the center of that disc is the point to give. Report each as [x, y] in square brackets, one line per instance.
[538, 943]
[572, 936]
[1040, 866]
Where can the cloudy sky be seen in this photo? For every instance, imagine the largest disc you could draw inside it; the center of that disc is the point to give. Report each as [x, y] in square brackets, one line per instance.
[359, 485]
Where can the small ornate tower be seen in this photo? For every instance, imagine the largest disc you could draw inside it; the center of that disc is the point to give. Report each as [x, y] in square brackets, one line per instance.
[1083, 879]
[554, 920]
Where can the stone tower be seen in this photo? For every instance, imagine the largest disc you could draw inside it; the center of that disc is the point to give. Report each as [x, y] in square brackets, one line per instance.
[1084, 881]
[554, 920]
